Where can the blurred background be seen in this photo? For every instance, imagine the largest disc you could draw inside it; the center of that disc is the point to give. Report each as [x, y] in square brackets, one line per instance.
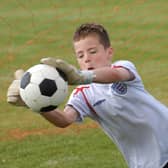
[31, 30]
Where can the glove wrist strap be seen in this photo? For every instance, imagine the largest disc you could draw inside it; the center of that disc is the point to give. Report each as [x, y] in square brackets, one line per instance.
[88, 76]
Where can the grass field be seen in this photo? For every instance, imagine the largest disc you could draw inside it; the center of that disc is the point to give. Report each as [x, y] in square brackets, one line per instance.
[31, 30]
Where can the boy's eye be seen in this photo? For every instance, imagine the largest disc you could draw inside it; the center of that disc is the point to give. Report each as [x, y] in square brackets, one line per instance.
[93, 51]
[80, 56]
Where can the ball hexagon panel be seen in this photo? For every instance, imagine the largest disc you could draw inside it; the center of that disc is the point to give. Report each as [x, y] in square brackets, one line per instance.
[36, 78]
[48, 87]
[32, 91]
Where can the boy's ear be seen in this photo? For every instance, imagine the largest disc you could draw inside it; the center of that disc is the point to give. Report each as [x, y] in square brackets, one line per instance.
[110, 53]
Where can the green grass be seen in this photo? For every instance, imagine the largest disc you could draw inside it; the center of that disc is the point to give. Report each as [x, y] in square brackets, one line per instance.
[56, 151]
[31, 30]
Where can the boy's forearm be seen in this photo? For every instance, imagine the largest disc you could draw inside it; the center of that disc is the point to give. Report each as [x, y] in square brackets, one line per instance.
[57, 118]
[108, 75]
[60, 118]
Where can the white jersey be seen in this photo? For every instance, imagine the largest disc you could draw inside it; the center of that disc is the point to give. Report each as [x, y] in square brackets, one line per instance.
[131, 117]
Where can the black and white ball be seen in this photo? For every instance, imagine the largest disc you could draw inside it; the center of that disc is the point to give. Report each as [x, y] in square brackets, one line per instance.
[43, 88]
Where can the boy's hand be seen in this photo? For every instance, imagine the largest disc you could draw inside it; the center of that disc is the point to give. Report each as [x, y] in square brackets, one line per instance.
[73, 75]
[13, 95]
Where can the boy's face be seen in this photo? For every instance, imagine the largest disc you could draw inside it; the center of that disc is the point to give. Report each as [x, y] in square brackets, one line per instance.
[91, 54]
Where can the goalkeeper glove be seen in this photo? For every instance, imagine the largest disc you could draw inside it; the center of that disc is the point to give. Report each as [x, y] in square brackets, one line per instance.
[73, 75]
[13, 95]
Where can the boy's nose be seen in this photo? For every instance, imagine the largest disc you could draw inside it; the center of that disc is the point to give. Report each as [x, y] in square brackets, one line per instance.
[87, 58]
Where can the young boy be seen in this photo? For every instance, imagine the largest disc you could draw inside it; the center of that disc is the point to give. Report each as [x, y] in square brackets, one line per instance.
[114, 96]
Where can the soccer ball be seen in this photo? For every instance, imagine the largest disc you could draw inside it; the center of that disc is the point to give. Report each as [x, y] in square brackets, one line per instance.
[43, 88]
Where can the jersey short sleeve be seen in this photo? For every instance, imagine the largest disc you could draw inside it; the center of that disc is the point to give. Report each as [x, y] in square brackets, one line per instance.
[78, 102]
[129, 66]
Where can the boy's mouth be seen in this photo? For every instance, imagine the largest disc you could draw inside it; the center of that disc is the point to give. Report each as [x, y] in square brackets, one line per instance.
[90, 68]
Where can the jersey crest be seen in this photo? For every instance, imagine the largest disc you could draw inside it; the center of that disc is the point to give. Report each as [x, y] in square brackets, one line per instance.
[119, 87]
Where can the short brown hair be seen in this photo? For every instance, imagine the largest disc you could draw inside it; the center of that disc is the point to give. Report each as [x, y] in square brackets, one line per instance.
[90, 29]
